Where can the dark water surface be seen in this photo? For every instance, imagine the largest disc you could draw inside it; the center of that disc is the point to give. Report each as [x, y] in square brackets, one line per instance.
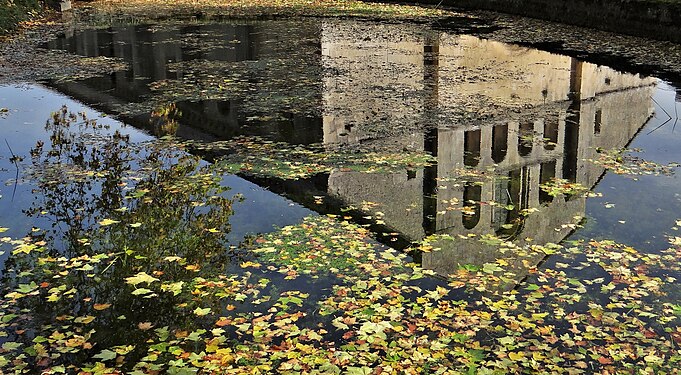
[470, 102]
[524, 116]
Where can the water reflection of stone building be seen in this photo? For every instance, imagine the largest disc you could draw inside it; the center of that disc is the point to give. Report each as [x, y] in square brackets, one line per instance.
[167, 53]
[528, 114]
[548, 113]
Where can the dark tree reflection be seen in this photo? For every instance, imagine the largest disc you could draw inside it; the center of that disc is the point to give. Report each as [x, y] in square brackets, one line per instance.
[116, 209]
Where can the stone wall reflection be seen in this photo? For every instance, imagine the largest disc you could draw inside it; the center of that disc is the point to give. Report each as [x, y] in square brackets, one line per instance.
[559, 111]
[529, 115]
[156, 54]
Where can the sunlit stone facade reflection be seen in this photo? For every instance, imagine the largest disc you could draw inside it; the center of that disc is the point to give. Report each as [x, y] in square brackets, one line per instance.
[525, 114]
[560, 110]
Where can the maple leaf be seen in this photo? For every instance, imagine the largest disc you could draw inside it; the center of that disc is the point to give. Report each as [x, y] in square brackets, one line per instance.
[141, 277]
[105, 355]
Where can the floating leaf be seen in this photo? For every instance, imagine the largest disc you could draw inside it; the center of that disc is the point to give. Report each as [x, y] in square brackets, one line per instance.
[105, 355]
[106, 222]
[141, 277]
[145, 326]
[201, 311]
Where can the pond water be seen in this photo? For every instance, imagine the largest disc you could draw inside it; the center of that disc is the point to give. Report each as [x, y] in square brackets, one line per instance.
[525, 146]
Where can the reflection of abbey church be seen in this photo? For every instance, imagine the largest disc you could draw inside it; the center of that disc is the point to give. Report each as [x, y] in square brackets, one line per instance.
[550, 113]
[528, 115]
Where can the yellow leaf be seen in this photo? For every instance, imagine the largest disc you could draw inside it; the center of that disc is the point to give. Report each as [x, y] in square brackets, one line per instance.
[106, 222]
[516, 356]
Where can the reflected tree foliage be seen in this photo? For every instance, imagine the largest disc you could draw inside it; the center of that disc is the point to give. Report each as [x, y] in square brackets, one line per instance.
[117, 209]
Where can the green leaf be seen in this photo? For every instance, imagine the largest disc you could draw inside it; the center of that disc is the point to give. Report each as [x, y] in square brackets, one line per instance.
[27, 288]
[11, 345]
[358, 370]
[7, 318]
[506, 340]
[175, 288]
[491, 268]
[106, 355]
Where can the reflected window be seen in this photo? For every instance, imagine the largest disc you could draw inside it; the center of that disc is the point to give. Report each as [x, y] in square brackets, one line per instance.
[499, 142]
[471, 196]
[546, 173]
[503, 199]
[525, 138]
[512, 195]
[571, 143]
[471, 145]
[598, 121]
[550, 133]
[225, 107]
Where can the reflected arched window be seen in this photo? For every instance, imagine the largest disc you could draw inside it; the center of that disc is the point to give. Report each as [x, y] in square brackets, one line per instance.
[571, 142]
[471, 145]
[225, 107]
[512, 196]
[471, 196]
[546, 173]
[550, 133]
[525, 138]
[499, 142]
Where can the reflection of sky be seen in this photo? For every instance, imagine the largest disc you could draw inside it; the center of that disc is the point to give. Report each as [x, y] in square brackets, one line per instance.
[30, 107]
[649, 206]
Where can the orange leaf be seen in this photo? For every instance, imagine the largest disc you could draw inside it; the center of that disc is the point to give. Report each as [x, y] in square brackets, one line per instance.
[604, 361]
[101, 306]
[223, 322]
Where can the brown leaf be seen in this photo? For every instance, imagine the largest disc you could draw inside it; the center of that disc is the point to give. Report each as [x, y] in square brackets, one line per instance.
[604, 361]
[145, 326]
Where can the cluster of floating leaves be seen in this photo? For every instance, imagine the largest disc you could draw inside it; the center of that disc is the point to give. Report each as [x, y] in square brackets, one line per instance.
[137, 276]
[383, 314]
[56, 65]
[255, 156]
[469, 175]
[282, 81]
[146, 258]
[560, 186]
[124, 11]
[622, 161]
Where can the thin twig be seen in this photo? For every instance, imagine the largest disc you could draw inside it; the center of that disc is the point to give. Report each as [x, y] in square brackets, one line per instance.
[667, 113]
[661, 107]
[14, 160]
[676, 112]
[16, 165]
[661, 125]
